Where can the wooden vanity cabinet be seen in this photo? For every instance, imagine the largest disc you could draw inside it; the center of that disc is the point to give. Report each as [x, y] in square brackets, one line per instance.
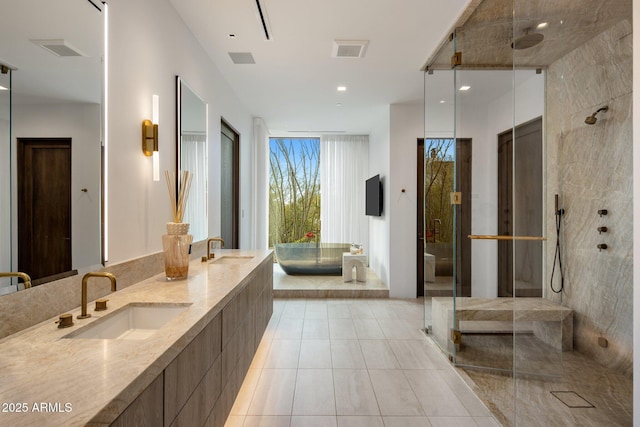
[199, 387]
[146, 410]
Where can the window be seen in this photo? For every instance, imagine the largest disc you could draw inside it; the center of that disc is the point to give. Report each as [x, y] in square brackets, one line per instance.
[294, 190]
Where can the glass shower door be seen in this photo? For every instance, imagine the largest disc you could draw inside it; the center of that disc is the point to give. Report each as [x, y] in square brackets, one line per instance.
[6, 285]
[438, 183]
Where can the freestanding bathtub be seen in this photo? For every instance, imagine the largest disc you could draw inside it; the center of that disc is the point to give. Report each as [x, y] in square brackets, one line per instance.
[311, 258]
[443, 253]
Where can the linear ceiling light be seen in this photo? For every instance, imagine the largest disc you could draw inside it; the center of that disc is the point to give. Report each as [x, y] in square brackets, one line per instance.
[264, 19]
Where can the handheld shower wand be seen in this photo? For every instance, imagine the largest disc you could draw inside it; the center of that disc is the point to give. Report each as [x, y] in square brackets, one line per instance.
[559, 212]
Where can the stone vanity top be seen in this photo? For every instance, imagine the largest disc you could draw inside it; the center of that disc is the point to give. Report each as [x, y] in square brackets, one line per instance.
[48, 380]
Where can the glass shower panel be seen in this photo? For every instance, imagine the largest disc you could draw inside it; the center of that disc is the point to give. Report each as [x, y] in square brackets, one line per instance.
[5, 180]
[483, 321]
[437, 150]
[538, 321]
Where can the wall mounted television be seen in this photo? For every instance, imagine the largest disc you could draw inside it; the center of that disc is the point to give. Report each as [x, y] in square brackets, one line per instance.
[374, 196]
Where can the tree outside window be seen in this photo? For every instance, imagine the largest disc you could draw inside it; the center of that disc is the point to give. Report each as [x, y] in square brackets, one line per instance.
[294, 190]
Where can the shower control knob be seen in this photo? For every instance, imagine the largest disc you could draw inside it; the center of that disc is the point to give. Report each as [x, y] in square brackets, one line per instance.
[602, 230]
[602, 246]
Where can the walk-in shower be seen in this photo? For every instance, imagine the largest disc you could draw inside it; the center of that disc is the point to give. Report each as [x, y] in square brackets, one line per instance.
[532, 265]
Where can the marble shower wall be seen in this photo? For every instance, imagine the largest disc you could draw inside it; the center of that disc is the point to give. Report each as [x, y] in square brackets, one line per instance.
[590, 168]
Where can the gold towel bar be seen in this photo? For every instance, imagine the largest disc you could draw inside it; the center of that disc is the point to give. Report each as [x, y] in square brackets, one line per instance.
[481, 237]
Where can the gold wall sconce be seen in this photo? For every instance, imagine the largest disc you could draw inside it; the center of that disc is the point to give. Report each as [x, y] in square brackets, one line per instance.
[150, 138]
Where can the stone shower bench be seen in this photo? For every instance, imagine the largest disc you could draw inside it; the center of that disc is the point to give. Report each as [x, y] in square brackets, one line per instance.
[542, 313]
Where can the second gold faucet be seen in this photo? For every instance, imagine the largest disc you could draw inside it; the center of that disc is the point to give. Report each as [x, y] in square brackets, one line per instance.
[85, 279]
[210, 254]
[24, 276]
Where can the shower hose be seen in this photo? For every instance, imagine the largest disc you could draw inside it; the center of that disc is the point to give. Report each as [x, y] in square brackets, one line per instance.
[557, 258]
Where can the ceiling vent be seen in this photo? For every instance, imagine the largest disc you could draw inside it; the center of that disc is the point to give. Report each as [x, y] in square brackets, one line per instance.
[58, 47]
[349, 48]
[242, 57]
[263, 19]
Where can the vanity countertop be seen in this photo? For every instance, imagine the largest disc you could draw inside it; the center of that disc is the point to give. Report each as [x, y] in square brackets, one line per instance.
[50, 380]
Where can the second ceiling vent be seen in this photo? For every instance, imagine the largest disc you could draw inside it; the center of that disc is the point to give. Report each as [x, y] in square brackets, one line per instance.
[349, 48]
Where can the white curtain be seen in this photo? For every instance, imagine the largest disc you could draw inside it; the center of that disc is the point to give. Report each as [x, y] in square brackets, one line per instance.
[344, 166]
[193, 158]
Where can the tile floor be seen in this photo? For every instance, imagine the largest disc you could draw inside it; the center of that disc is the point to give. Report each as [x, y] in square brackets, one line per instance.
[352, 363]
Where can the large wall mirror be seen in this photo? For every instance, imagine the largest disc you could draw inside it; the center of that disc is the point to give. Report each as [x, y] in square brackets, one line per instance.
[192, 156]
[51, 121]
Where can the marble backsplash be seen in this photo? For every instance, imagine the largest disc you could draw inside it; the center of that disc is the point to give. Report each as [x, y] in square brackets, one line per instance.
[590, 168]
[21, 310]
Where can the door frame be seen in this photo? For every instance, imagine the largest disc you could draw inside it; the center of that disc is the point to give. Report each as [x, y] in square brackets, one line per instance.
[463, 214]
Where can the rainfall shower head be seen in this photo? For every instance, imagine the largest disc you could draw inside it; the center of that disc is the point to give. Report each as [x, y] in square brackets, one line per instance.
[527, 41]
[591, 120]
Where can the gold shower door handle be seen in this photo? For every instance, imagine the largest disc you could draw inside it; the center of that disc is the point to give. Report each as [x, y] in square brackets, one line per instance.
[489, 237]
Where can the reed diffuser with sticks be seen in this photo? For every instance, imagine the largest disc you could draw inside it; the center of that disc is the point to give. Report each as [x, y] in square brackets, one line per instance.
[179, 203]
[177, 242]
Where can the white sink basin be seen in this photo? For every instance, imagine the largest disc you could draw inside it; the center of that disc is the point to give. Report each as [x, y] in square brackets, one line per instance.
[229, 259]
[135, 321]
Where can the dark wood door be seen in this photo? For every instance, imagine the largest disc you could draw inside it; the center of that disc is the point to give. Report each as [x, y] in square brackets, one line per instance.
[520, 210]
[420, 223]
[44, 206]
[463, 218]
[230, 186]
[505, 212]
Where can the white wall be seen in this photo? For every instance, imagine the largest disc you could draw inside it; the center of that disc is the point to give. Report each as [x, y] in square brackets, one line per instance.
[81, 123]
[260, 206]
[407, 125]
[149, 46]
[379, 247]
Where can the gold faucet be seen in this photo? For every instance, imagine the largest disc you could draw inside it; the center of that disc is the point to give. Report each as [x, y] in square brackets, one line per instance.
[213, 239]
[85, 279]
[24, 276]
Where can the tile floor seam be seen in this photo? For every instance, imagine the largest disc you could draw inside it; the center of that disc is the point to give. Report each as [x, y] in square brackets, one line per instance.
[375, 394]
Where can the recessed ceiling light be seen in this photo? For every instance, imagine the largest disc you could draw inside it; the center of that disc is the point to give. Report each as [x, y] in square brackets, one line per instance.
[542, 25]
[342, 88]
[465, 87]
[442, 101]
